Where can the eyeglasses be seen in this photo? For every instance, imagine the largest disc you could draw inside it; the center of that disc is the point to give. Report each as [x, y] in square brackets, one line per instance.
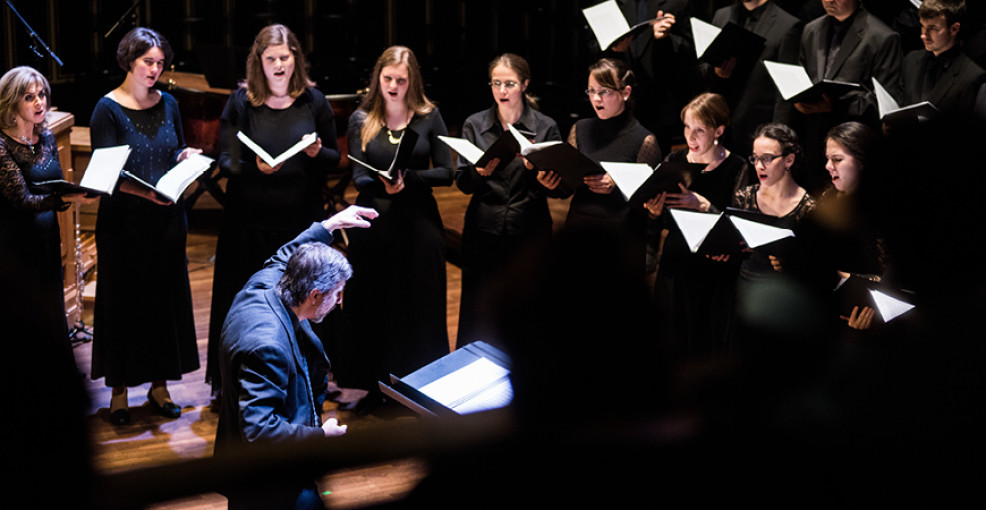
[603, 92]
[510, 84]
[766, 159]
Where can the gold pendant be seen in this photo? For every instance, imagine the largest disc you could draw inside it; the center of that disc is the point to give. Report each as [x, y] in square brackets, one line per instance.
[390, 137]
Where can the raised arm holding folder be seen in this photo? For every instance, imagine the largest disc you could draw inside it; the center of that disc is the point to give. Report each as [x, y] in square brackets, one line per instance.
[609, 26]
[100, 177]
[401, 156]
[716, 45]
[795, 85]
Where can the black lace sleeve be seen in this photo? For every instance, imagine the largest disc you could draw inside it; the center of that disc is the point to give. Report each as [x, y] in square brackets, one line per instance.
[14, 188]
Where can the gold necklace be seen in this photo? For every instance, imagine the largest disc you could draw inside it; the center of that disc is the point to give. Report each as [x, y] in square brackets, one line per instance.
[391, 139]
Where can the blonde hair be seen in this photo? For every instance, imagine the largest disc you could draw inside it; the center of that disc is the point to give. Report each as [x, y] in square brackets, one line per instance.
[373, 102]
[710, 109]
[256, 81]
[13, 86]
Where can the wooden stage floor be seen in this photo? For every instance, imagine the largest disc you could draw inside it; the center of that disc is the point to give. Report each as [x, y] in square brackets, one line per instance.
[150, 440]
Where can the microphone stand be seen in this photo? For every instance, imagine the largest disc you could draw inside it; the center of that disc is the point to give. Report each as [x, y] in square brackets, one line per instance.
[128, 12]
[36, 40]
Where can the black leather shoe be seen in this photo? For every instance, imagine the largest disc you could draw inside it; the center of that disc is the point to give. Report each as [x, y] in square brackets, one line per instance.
[168, 409]
[120, 416]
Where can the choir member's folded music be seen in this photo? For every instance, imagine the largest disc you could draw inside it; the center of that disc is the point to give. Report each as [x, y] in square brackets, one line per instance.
[717, 45]
[718, 234]
[505, 148]
[638, 182]
[172, 184]
[100, 177]
[401, 156]
[892, 113]
[860, 291]
[609, 26]
[795, 85]
[305, 141]
[558, 157]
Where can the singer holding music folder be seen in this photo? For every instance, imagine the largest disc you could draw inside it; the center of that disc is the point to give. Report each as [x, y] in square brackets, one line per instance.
[275, 107]
[611, 134]
[394, 314]
[508, 208]
[143, 327]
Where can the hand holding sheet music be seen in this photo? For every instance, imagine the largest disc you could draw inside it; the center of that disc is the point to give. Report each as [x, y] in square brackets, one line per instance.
[393, 175]
[271, 161]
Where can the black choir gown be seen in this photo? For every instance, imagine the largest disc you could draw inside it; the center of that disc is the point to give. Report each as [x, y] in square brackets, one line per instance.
[394, 309]
[507, 212]
[143, 326]
[609, 216]
[693, 294]
[263, 212]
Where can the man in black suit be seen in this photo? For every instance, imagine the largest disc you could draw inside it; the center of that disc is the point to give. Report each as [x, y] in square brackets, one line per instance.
[941, 73]
[664, 63]
[847, 44]
[753, 98]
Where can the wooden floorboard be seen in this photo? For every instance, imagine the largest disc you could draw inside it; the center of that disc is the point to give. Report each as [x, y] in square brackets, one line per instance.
[150, 440]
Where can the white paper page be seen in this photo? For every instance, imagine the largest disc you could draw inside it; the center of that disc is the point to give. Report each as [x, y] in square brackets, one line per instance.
[272, 161]
[386, 174]
[758, 234]
[607, 22]
[790, 79]
[104, 168]
[694, 226]
[627, 176]
[916, 3]
[464, 147]
[526, 147]
[494, 397]
[884, 101]
[703, 33]
[890, 308]
[452, 389]
[173, 183]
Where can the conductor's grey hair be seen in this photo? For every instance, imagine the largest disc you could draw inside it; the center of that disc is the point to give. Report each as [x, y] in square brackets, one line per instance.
[312, 266]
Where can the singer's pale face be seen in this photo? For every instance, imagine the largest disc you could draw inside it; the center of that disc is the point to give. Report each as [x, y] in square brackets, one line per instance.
[394, 82]
[148, 67]
[508, 89]
[606, 102]
[842, 166]
[33, 105]
[701, 139]
[278, 63]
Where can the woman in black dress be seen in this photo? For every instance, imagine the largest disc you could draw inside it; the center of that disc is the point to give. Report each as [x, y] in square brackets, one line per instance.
[613, 135]
[266, 207]
[693, 293]
[395, 308]
[143, 327]
[509, 207]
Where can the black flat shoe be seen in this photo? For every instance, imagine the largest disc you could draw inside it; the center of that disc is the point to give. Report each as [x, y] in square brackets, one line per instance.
[168, 409]
[120, 416]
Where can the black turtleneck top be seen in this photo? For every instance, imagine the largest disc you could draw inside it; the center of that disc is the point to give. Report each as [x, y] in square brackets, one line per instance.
[618, 139]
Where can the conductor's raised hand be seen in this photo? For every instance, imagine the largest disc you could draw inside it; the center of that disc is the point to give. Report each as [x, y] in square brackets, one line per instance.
[860, 318]
[353, 216]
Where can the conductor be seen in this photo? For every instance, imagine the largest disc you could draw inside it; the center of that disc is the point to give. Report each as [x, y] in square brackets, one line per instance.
[271, 361]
